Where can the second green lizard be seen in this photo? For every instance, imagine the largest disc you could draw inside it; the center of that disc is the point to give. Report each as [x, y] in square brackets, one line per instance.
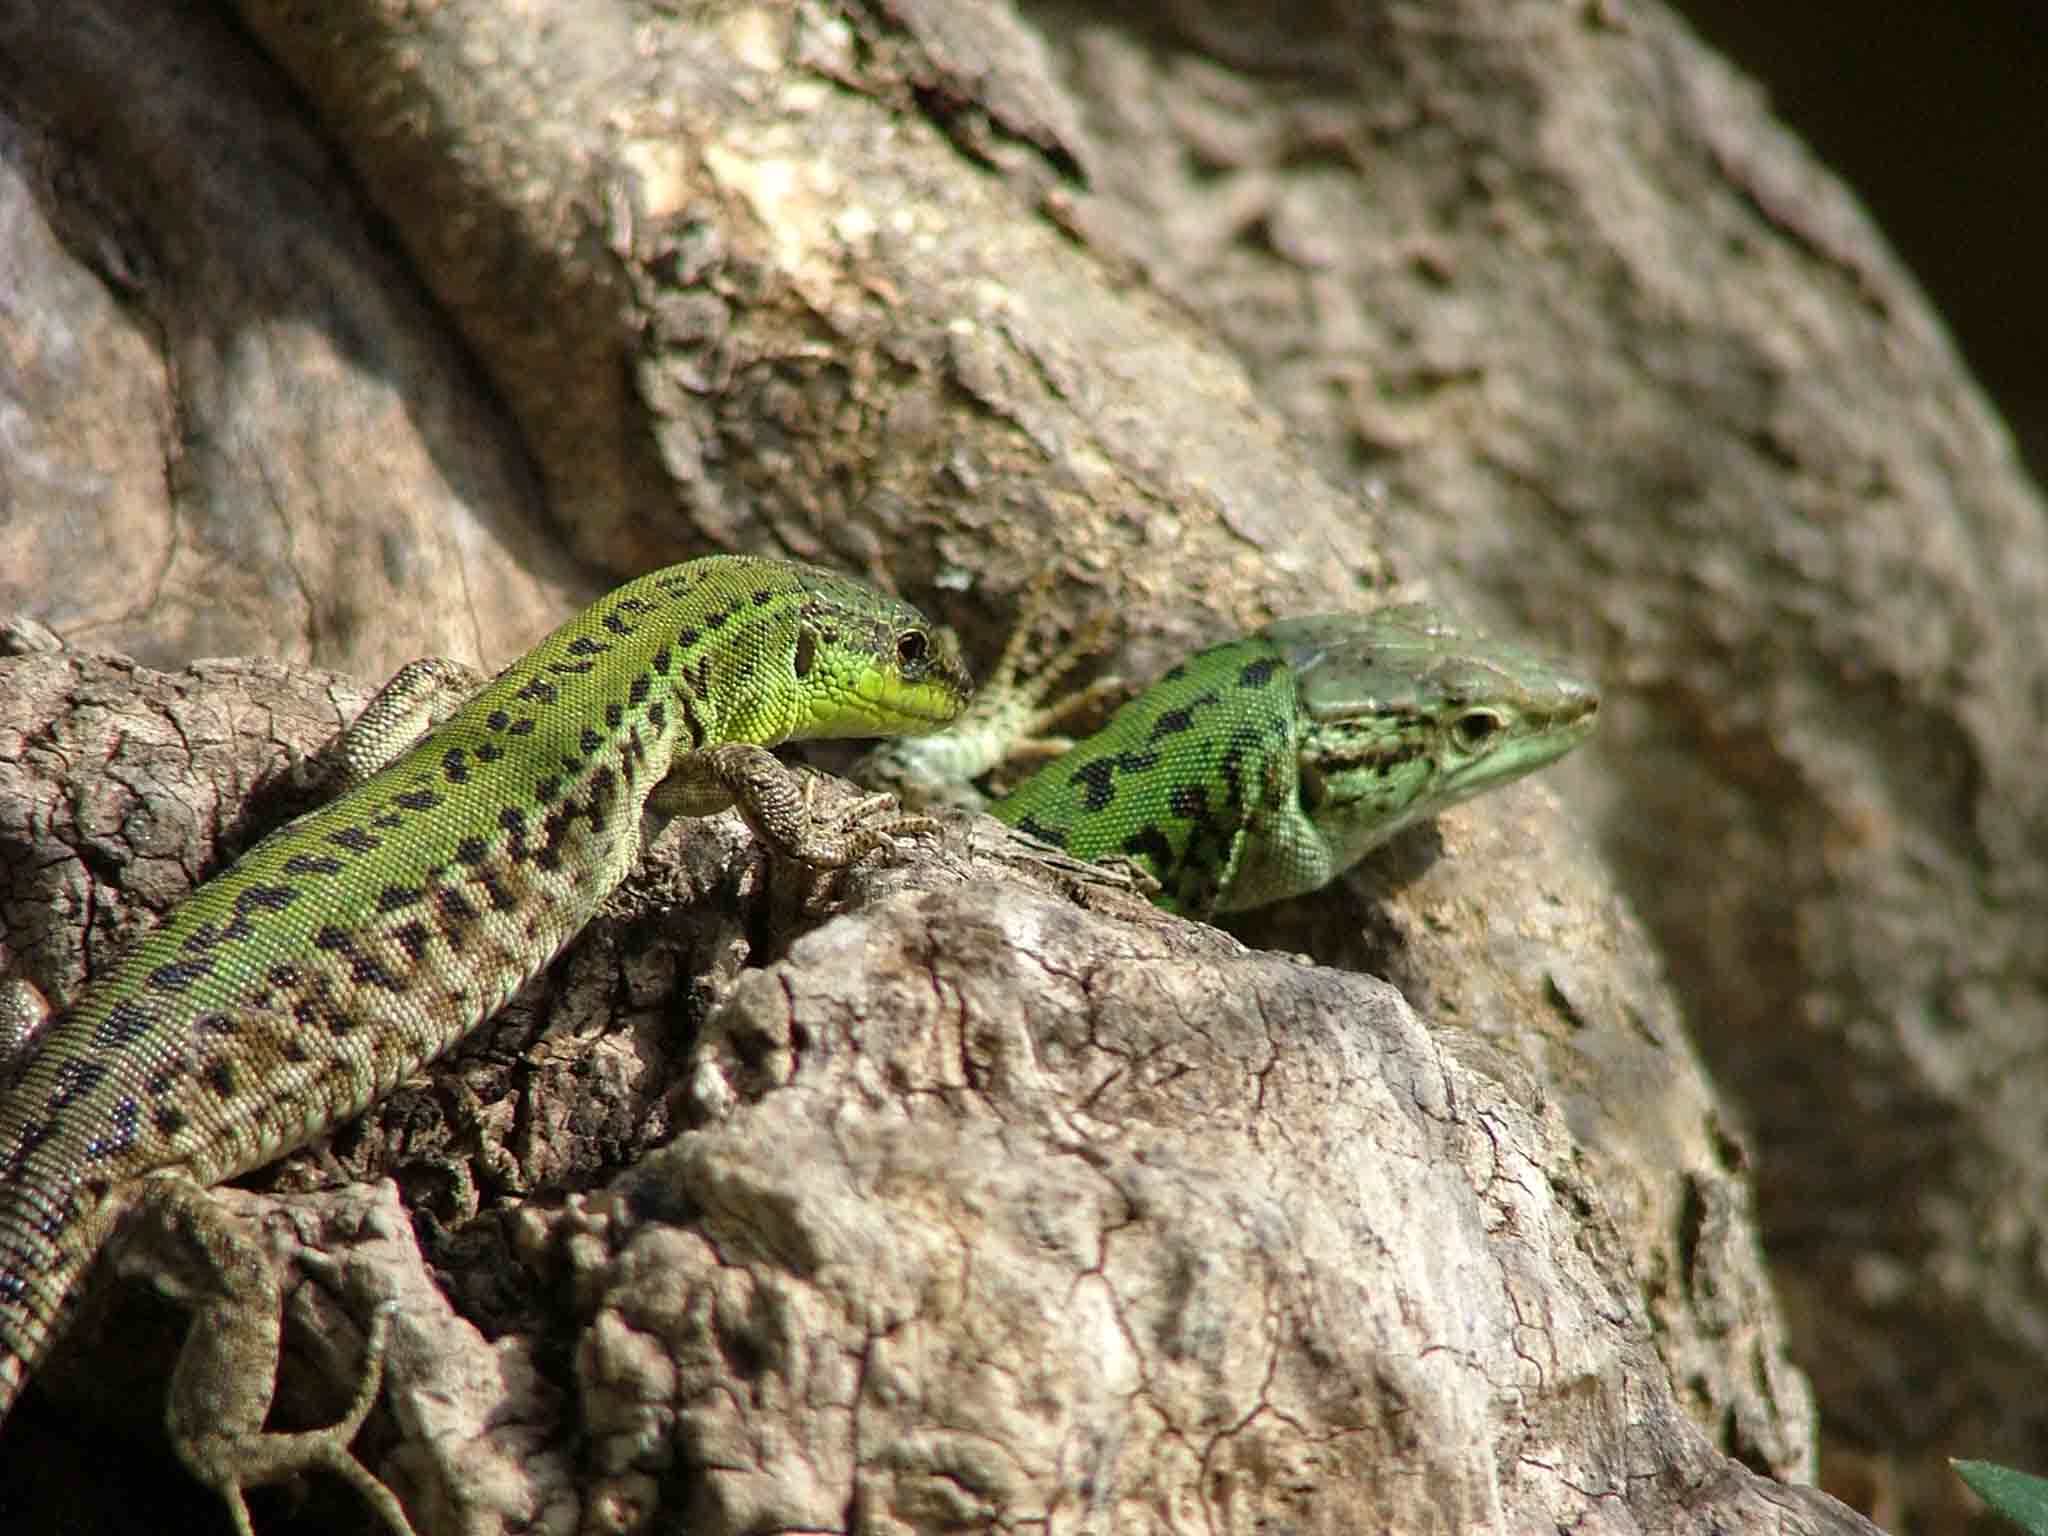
[1266, 766]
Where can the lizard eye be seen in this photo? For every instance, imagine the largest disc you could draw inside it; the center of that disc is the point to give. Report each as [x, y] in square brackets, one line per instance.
[1475, 729]
[912, 647]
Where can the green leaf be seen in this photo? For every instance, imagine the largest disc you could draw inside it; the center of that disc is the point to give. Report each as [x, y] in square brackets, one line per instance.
[2021, 1497]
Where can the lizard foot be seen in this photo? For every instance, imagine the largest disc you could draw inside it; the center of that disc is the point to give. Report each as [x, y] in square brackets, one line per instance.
[228, 1465]
[776, 801]
[221, 1388]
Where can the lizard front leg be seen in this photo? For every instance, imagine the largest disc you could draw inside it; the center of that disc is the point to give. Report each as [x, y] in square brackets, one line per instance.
[776, 801]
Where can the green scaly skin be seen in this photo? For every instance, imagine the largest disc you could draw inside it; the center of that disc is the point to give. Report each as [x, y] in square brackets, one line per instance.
[1268, 765]
[357, 943]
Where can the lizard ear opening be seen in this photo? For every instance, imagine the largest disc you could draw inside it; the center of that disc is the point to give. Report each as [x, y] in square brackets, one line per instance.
[806, 651]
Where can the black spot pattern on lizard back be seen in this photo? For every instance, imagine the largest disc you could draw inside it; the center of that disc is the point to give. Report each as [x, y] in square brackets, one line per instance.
[454, 909]
[260, 898]
[369, 971]
[1097, 781]
[455, 766]
[205, 937]
[75, 1078]
[313, 865]
[1245, 741]
[596, 808]
[512, 822]
[364, 969]
[555, 835]
[179, 976]
[33, 1134]
[422, 799]
[354, 840]
[126, 1022]
[1031, 827]
[1256, 674]
[120, 1134]
[699, 681]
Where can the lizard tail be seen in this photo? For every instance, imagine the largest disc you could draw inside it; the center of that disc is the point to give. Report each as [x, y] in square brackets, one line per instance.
[41, 1265]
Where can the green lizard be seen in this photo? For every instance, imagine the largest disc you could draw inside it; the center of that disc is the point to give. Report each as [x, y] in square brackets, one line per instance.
[1266, 766]
[363, 939]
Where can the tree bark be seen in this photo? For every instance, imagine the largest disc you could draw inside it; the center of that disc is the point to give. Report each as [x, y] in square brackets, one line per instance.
[979, 1203]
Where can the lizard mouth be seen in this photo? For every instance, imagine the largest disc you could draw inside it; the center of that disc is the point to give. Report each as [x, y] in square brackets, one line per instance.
[937, 714]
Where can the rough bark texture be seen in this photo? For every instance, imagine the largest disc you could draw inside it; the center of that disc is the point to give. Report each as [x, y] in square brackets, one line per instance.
[235, 424]
[947, 293]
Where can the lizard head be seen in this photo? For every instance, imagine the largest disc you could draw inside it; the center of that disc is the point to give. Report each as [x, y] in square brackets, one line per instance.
[1405, 712]
[866, 664]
